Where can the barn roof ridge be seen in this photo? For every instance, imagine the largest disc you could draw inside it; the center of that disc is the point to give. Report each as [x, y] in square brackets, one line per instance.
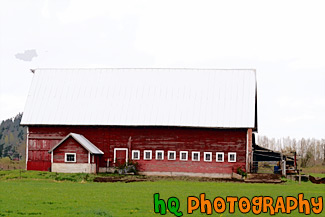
[89, 146]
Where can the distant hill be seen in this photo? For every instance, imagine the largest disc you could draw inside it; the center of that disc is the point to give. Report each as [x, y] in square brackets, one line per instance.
[12, 138]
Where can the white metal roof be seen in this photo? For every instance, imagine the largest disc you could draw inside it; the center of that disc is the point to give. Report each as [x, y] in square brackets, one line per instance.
[142, 97]
[82, 141]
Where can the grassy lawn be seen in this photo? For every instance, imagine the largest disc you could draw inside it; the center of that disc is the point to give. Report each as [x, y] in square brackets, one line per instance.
[33, 194]
[319, 169]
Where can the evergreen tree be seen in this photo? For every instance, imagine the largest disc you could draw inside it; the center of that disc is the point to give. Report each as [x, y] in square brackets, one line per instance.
[12, 138]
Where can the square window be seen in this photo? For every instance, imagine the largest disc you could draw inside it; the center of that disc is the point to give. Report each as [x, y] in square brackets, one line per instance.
[232, 157]
[183, 155]
[208, 156]
[70, 157]
[195, 156]
[135, 155]
[220, 157]
[171, 155]
[147, 155]
[159, 155]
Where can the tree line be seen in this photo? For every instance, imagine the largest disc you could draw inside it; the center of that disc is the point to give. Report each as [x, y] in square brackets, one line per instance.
[310, 151]
[12, 138]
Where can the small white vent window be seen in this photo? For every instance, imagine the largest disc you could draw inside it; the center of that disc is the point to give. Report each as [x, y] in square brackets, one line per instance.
[70, 157]
[232, 157]
[159, 155]
[195, 156]
[208, 156]
[183, 155]
[171, 155]
[220, 157]
[147, 155]
[135, 155]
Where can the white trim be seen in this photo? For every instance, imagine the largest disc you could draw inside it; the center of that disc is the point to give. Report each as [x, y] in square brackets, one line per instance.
[135, 151]
[169, 152]
[247, 150]
[52, 157]
[204, 156]
[88, 157]
[144, 155]
[120, 149]
[235, 158]
[180, 155]
[83, 141]
[162, 154]
[223, 156]
[195, 152]
[65, 158]
[27, 146]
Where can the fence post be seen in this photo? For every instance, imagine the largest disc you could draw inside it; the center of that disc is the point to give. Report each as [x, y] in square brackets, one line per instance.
[300, 177]
[284, 172]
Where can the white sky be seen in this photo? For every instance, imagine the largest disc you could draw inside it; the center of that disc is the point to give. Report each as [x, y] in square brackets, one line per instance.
[283, 40]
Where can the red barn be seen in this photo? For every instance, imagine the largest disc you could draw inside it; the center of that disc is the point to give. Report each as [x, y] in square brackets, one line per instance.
[195, 122]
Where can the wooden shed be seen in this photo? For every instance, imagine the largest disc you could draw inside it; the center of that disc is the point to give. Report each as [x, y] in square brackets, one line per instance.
[75, 154]
[195, 122]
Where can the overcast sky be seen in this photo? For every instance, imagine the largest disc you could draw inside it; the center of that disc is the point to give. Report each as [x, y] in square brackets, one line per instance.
[283, 40]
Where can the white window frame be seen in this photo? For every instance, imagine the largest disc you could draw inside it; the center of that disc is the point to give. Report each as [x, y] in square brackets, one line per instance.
[235, 158]
[162, 154]
[135, 151]
[196, 152]
[180, 155]
[121, 149]
[174, 155]
[144, 155]
[204, 156]
[66, 160]
[223, 156]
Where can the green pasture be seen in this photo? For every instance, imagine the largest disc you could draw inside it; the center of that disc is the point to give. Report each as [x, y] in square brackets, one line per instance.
[50, 194]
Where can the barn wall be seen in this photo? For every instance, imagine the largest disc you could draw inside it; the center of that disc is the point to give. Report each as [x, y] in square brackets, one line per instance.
[148, 138]
[38, 156]
[70, 146]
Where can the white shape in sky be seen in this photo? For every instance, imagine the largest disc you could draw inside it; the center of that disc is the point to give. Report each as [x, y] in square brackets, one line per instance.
[27, 55]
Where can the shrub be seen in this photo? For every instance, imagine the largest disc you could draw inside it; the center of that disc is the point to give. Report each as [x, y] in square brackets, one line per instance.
[241, 171]
[128, 167]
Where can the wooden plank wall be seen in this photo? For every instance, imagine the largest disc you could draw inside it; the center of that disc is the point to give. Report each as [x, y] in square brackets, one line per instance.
[70, 146]
[41, 139]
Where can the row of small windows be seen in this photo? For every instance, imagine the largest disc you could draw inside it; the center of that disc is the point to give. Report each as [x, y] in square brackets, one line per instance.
[183, 155]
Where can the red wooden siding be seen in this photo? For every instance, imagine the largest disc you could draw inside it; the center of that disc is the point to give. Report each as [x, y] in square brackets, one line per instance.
[120, 157]
[38, 156]
[70, 146]
[149, 138]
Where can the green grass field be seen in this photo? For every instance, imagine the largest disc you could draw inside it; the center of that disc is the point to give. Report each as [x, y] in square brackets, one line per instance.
[49, 194]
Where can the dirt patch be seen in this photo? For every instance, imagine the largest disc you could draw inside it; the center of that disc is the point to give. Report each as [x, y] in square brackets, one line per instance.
[125, 179]
[189, 178]
[136, 178]
[317, 180]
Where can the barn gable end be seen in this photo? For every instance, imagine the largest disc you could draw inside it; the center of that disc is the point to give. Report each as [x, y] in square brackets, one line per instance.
[70, 145]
